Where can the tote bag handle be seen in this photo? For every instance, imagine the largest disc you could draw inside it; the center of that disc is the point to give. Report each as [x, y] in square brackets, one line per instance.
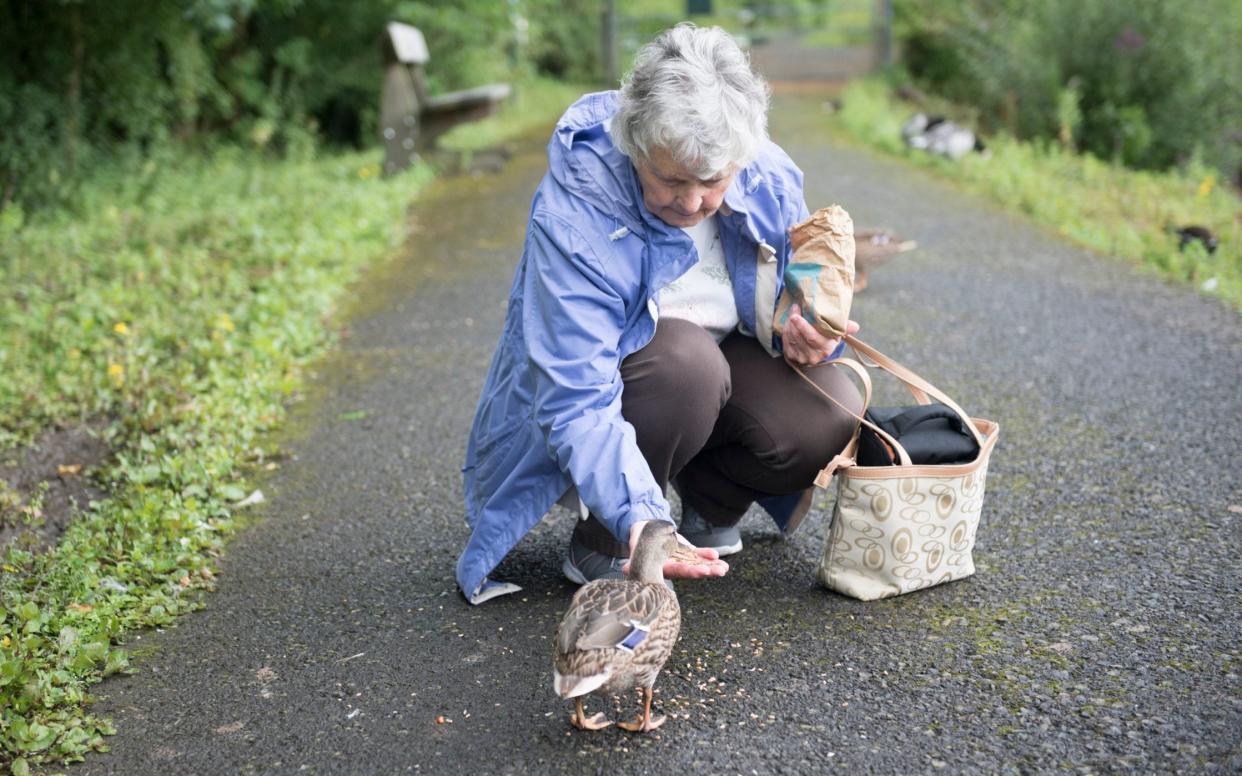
[846, 456]
[913, 382]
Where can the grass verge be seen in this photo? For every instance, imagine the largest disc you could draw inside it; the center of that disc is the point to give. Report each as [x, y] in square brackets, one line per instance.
[180, 305]
[176, 308]
[1105, 207]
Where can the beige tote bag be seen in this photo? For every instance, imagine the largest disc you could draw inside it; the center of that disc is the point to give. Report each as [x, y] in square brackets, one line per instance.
[896, 529]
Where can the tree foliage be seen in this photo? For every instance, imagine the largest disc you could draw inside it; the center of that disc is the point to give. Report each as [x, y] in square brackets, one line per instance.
[82, 81]
[1150, 84]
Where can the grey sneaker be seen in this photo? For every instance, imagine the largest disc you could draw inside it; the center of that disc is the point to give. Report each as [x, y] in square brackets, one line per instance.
[584, 565]
[724, 540]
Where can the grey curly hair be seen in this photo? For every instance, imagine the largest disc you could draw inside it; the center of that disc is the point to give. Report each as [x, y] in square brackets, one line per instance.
[692, 93]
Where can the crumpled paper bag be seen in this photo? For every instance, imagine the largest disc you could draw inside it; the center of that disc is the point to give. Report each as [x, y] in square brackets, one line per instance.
[820, 275]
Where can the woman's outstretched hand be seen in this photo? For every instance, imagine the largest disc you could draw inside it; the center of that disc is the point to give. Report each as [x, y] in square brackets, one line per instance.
[689, 562]
[803, 344]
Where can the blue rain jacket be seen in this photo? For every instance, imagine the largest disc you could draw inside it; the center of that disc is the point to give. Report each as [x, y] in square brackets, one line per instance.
[583, 298]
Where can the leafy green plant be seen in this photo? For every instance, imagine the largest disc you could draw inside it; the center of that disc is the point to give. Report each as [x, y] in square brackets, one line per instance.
[178, 306]
[183, 309]
[1155, 83]
[81, 83]
[1105, 206]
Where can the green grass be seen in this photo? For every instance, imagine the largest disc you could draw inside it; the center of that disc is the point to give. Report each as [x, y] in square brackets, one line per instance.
[1106, 207]
[177, 307]
[846, 23]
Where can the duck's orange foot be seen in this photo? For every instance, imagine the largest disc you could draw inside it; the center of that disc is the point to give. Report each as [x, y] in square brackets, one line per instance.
[643, 725]
[580, 720]
[593, 722]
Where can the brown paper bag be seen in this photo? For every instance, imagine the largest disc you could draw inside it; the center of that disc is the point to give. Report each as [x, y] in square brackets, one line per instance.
[820, 275]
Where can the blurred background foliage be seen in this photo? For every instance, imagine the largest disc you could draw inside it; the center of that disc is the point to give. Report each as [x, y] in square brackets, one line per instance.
[85, 83]
[1147, 83]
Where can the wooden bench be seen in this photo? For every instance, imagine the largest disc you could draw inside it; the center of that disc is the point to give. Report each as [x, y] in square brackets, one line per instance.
[410, 118]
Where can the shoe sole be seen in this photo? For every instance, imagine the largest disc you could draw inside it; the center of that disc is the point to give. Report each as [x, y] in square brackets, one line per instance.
[722, 549]
[730, 549]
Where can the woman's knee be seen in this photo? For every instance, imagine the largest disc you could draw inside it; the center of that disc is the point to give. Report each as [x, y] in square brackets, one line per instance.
[682, 361]
[803, 436]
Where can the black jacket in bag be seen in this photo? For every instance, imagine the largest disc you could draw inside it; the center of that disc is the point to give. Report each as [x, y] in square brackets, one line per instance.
[931, 434]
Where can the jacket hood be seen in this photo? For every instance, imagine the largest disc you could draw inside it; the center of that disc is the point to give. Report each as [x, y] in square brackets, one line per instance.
[584, 160]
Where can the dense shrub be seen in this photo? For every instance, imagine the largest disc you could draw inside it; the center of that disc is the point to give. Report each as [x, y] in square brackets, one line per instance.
[564, 39]
[83, 81]
[1151, 84]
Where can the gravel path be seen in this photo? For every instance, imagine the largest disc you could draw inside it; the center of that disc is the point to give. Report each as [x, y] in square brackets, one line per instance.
[1100, 634]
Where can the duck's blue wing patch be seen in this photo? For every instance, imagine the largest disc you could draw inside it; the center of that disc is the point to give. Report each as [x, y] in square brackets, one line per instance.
[635, 637]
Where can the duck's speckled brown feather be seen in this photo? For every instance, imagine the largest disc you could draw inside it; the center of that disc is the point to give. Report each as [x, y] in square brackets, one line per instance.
[601, 614]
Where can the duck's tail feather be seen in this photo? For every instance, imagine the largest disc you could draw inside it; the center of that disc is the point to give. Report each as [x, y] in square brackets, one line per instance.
[570, 686]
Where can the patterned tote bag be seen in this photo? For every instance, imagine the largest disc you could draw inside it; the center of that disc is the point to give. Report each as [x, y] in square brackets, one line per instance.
[905, 527]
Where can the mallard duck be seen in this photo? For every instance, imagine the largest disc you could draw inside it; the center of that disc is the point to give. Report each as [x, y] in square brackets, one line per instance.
[1195, 233]
[618, 633]
[938, 135]
[872, 247]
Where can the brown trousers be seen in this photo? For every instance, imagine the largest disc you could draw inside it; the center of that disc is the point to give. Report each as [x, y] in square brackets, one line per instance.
[728, 423]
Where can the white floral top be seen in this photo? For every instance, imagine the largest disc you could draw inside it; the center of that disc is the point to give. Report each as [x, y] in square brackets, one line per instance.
[704, 294]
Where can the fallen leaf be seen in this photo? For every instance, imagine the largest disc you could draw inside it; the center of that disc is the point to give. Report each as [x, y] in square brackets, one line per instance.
[1236, 509]
[67, 469]
[252, 499]
[265, 675]
[232, 727]
[1061, 648]
[184, 581]
[77, 607]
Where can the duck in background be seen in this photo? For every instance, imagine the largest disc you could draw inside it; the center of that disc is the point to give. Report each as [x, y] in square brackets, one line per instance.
[938, 135]
[1195, 233]
[873, 247]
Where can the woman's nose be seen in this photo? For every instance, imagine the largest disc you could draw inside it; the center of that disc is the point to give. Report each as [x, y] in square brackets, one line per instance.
[690, 202]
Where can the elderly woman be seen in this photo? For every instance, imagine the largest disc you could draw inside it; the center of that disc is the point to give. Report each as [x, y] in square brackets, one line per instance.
[638, 346]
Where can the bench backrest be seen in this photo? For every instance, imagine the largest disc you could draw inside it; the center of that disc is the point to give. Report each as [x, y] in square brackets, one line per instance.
[406, 44]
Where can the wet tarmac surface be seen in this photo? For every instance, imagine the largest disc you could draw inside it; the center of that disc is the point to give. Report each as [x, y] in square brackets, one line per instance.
[1100, 634]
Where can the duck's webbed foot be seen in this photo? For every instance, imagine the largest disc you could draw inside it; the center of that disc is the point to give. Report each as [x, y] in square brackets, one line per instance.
[645, 722]
[580, 720]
